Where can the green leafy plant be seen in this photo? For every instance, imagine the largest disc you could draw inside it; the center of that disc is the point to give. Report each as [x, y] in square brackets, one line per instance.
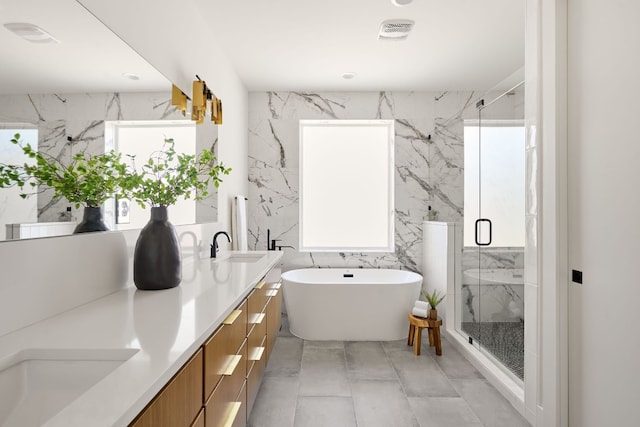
[167, 176]
[433, 298]
[89, 180]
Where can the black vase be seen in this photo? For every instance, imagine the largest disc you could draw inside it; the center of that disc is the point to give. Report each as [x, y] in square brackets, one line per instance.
[156, 259]
[91, 221]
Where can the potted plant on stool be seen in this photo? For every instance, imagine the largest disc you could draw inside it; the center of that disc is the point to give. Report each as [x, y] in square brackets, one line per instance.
[162, 180]
[433, 299]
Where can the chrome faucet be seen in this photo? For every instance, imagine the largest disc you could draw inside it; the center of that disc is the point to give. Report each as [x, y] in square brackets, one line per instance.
[214, 246]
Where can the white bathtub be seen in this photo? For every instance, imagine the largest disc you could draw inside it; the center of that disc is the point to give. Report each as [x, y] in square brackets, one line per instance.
[350, 304]
[493, 295]
[494, 276]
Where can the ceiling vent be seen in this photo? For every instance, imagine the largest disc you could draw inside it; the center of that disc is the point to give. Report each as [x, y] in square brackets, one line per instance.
[395, 29]
[30, 32]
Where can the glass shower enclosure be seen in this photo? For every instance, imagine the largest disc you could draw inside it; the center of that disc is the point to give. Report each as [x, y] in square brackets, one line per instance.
[491, 296]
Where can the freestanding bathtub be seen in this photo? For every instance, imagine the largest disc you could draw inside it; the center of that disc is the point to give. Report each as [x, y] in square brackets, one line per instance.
[493, 295]
[350, 304]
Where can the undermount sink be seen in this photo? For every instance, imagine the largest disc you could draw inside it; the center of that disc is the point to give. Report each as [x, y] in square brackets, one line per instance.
[244, 257]
[36, 384]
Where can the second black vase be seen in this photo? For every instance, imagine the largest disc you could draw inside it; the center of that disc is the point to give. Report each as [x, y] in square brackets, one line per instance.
[156, 260]
[91, 221]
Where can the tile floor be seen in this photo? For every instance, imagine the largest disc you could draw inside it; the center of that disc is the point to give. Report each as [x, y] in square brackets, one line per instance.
[335, 383]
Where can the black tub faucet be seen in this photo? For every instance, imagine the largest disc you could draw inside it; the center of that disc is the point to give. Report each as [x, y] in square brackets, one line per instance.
[214, 245]
[271, 243]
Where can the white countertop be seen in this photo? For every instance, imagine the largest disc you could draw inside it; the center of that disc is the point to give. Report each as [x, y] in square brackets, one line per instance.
[166, 326]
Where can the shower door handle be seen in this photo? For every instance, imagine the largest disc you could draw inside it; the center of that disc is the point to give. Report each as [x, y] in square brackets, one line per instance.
[478, 222]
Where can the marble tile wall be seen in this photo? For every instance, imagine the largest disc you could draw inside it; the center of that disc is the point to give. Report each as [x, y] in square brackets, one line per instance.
[429, 171]
[492, 258]
[72, 123]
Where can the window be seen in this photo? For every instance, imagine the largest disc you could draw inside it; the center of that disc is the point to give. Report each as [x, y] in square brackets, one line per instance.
[346, 185]
[494, 163]
[141, 139]
[14, 209]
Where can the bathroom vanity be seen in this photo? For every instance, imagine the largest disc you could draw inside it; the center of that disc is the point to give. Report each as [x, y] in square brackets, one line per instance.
[191, 355]
[219, 384]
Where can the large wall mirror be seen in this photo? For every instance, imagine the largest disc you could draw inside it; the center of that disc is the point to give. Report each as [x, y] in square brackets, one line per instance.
[64, 94]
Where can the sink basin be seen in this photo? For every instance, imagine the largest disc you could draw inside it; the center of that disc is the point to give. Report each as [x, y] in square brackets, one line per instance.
[243, 257]
[36, 384]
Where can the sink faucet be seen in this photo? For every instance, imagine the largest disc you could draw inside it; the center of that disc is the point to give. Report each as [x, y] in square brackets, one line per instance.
[284, 246]
[214, 246]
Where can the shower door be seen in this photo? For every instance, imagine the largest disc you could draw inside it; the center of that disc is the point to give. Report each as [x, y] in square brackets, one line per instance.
[492, 280]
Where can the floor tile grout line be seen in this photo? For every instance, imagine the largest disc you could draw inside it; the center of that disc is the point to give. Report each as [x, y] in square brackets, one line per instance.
[404, 391]
[386, 353]
[295, 411]
[346, 366]
[389, 351]
[449, 380]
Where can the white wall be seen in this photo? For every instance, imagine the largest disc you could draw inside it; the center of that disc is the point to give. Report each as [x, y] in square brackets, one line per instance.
[603, 211]
[173, 43]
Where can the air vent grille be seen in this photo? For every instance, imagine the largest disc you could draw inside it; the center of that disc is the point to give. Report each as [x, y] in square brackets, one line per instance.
[395, 29]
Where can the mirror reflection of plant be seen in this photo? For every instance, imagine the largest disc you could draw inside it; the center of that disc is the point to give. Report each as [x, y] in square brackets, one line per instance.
[89, 180]
[168, 176]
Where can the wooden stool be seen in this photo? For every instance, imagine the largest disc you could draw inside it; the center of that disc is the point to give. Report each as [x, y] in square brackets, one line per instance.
[416, 325]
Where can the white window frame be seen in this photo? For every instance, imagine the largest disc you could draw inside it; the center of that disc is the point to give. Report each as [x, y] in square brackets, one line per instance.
[343, 171]
[183, 211]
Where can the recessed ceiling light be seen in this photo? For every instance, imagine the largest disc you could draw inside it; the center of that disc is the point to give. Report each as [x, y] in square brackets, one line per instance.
[401, 3]
[131, 76]
[348, 75]
[30, 32]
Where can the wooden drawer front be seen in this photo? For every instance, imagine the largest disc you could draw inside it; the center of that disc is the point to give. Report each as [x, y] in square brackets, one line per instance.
[274, 285]
[180, 401]
[223, 407]
[236, 378]
[215, 360]
[257, 334]
[199, 422]
[274, 318]
[235, 327]
[242, 416]
[256, 301]
[254, 377]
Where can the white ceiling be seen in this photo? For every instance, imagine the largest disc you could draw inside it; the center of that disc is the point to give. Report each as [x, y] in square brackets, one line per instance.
[280, 45]
[89, 57]
[308, 45]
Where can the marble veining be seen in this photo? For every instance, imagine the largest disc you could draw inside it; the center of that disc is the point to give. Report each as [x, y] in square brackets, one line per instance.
[69, 124]
[428, 170]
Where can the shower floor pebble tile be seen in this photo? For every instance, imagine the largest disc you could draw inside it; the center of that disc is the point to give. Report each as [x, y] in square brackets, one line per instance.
[371, 384]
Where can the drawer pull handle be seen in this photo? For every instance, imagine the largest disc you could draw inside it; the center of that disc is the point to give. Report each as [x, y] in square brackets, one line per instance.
[232, 413]
[233, 364]
[256, 354]
[272, 293]
[276, 285]
[260, 285]
[232, 317]
[257, 318]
